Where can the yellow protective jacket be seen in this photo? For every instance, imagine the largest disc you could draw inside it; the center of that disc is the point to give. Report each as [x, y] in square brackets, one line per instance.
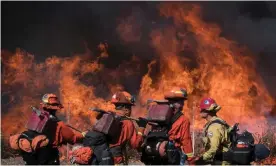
[216, 139]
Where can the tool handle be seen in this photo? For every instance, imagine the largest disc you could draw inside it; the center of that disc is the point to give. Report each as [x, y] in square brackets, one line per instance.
[74, 128]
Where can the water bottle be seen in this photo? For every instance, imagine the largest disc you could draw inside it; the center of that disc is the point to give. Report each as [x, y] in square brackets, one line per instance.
[171, 144]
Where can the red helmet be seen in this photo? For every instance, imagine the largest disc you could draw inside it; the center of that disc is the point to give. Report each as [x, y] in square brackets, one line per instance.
[122, 98]
[176, 93]
[209, 104]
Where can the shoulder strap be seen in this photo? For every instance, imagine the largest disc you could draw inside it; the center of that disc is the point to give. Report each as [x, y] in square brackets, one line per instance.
[29, 135]
[176, 116]
[122, 118]
[216, 121]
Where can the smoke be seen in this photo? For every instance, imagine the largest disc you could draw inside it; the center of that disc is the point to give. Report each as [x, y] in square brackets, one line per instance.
[132, 34]
[129, 29]
[253, 25]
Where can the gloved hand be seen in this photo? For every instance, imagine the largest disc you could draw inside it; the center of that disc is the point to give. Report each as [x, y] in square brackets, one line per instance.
[142, 122]
[84, 133]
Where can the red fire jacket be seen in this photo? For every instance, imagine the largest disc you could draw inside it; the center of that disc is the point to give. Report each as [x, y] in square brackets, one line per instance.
[128, 134]
[180, 135]
[60, 134]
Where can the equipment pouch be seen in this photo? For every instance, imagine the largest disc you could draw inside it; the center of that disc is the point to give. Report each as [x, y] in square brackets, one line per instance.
[173, 154]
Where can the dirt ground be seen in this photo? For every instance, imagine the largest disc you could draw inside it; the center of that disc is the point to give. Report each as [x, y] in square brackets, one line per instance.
[19, 161]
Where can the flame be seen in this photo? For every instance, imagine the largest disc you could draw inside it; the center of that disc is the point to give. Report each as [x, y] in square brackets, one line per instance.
[224, 71]
[103, 48]
[53, 75]
[69, 78]
[191, 54]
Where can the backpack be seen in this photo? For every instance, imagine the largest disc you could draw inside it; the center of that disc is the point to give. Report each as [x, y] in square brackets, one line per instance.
[106, 128]
[241, 150]
[108, 124]
[99, 144]
[162, 114]
[34, 148]
[39, 119]
[37, 124]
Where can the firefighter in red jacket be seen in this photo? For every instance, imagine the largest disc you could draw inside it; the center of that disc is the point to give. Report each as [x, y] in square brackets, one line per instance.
[98, 150]
[180, 130]
[172, 141]
[123, 102]
[42, 148]
[58, 132]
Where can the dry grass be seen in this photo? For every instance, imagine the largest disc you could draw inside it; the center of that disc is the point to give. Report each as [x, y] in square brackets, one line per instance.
[268, 138]
[6, 150]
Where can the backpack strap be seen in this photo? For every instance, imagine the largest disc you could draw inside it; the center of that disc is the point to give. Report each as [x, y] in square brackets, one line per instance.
[29, 135]
[116, 151]
[122, 118]
[176, 116]
[218, 121]
[174, 119]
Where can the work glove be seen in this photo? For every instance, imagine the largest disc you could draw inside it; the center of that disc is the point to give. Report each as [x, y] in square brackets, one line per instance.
[84, 133]
[142, 122]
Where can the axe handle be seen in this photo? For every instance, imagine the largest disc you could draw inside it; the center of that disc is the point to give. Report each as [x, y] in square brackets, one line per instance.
[37, 111]
[151, 123]
[110, 112]
[74, 128]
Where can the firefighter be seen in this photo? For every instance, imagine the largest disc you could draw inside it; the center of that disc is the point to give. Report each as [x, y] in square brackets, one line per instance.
[177, 148]
[103, 149]
[216, 136]
[123, 102]
[180, 130]
[42, 148]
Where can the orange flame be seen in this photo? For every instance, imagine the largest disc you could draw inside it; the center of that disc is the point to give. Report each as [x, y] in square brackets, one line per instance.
[55, 73]
[225, 71]
[218, 68]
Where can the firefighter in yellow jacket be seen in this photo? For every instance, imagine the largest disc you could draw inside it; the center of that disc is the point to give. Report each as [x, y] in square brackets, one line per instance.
[216, 136]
